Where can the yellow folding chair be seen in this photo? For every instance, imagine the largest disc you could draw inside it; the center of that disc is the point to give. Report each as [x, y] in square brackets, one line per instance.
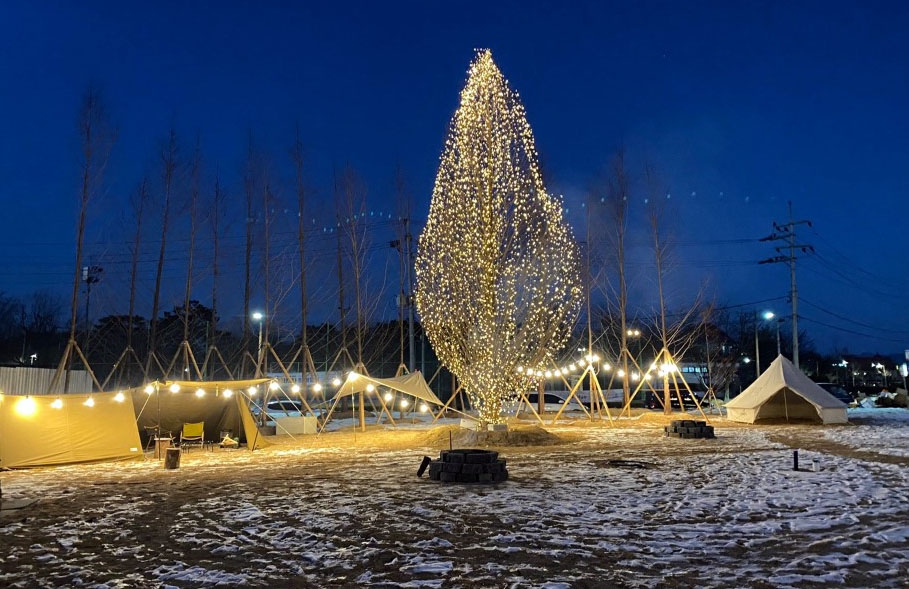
[192, 434]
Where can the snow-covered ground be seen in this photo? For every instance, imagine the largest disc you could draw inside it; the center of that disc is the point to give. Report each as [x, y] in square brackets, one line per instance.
[728, 512]
[880, 430]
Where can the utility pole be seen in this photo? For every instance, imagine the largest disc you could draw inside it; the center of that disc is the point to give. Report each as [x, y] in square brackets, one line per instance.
[786, 232]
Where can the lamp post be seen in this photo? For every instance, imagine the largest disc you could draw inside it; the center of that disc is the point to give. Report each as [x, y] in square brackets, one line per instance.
[778, 321]
[767, 316]
[257, 316]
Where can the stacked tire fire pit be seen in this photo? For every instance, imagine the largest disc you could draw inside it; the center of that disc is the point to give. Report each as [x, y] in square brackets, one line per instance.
[690, 429]
[466, 466]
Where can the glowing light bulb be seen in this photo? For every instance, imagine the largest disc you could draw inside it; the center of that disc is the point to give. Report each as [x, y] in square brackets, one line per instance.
[621, 373]
[90, 402]
[548, 374]
[57, 404]
[273, 385]
[119, 397]
[424, 407]
[175, 388]
[252, 390]
[295, 389]
[228, 393]
[26, 407]
[520, 369]
[200, 392]
[404, 402]
[317, 387]
[336, 381]
[352, 376]
[149, 389]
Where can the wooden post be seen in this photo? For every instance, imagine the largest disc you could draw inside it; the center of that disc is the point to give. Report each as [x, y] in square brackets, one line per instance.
[172, 459]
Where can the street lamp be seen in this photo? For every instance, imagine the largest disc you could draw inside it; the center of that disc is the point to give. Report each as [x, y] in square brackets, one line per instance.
[767, 316]
[257, 316]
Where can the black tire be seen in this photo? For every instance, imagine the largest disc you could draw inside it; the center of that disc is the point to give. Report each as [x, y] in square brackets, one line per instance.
[448, 477]
[423, 465]
[481, 457]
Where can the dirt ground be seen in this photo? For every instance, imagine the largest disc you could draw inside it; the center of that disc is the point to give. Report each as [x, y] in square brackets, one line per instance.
[346, 509]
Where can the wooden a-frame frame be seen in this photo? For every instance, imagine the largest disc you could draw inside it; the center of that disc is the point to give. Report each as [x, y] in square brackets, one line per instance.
[665, 357]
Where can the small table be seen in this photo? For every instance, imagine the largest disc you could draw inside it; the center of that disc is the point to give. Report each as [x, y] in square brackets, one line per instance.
[161, 446]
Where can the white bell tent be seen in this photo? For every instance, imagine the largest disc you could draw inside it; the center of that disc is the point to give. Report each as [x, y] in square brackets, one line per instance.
[784, 392]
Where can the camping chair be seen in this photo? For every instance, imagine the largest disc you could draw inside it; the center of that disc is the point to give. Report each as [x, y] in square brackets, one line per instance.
[193, 434]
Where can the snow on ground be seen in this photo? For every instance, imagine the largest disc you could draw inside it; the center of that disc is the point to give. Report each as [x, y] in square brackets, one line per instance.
[728, 512]
[882, 430]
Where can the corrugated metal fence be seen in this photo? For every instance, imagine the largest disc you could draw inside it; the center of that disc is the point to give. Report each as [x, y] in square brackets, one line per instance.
[24, 380]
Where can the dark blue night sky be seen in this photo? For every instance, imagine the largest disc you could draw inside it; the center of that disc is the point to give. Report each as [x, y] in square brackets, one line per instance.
[741, 106]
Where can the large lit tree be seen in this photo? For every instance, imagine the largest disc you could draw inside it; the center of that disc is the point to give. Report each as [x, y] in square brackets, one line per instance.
[497, 267]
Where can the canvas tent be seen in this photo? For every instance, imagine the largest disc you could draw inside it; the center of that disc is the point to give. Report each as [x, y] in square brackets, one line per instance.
[784, 392]
[412, 384]
[222, 406]
[47, 430]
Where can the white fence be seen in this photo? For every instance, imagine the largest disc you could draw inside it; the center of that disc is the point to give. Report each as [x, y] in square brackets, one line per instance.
[25, 380]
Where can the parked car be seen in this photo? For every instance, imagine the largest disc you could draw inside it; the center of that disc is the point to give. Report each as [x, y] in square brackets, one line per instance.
[655, 400]
[284, 408]
[553, 402]
[839, 392]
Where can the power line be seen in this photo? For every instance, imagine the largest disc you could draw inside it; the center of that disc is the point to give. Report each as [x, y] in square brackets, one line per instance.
[848, 320]
[853, 332]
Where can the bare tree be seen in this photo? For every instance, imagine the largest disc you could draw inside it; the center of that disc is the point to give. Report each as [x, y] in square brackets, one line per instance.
[675, 335]
[97, 138]
[169, 163]
[249, 193]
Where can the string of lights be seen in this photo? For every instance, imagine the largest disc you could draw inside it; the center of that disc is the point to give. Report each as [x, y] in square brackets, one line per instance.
[498, 281]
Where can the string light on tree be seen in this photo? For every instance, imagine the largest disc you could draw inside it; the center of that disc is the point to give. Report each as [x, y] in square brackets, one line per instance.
[497, 269]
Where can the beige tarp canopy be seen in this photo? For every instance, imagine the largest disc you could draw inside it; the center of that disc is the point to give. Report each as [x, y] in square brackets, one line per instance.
[411, 384]
[223, 406]
[46, 430]
[783, 391]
